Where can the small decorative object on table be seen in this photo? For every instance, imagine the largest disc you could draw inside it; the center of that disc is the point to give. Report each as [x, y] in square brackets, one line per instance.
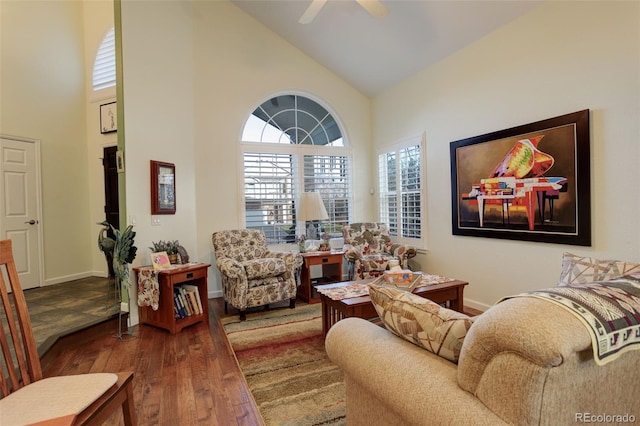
[300, 239]
[173, 250]
[160, 260]
[402, 279]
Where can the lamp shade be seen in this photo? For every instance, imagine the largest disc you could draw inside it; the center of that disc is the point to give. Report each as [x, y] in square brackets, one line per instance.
[312, 207]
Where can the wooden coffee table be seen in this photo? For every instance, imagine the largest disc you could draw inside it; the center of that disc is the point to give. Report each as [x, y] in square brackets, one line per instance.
[333, 311]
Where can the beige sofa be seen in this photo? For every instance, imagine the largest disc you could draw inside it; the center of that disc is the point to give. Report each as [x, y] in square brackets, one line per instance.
[524, 361]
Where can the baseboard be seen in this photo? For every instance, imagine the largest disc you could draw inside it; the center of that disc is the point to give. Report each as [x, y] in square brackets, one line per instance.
[214, 294]
[72, 277]
[476, 305]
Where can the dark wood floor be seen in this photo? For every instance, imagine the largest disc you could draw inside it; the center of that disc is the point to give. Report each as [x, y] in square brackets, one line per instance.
[190, 378]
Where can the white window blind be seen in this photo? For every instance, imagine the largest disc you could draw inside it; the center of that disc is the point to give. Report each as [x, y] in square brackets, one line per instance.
[400, 189]
[104, 67]
[292, 144]
[269, 194]
[330, 176]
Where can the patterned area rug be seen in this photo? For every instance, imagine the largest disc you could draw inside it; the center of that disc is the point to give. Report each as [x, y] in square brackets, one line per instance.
[281, 353]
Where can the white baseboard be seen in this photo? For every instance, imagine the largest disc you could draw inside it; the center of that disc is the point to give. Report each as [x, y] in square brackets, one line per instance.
[66, 278]
[214, 294]
[476, 305]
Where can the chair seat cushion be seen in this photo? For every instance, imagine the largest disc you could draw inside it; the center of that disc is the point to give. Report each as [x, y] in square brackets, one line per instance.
[375, 262]
[53, 397]
[264, 268]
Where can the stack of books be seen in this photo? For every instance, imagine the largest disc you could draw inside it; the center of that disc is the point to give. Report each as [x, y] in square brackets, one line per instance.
[186, 301]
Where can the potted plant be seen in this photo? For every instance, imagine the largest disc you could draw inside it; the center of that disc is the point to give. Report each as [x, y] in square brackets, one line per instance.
[170, 247]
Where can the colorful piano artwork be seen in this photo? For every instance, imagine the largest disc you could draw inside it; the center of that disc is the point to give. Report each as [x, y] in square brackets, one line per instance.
[518, 184]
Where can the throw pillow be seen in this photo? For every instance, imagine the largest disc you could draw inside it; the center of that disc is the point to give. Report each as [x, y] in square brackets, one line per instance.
[421, 321]
[578, 270]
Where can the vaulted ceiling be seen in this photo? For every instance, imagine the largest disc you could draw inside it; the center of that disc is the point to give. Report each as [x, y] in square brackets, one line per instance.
[375, 54]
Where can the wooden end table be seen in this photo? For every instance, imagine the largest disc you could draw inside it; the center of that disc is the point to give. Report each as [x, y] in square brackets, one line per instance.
[450, 293]
[331, 262]
[164, 317]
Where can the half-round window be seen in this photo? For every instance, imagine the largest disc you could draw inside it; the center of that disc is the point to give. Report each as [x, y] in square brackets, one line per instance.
[292, 145]
[292, 119]
[104, 66]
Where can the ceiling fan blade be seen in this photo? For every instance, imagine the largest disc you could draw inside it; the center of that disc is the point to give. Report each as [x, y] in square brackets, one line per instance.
[374, 7]
[311, 11]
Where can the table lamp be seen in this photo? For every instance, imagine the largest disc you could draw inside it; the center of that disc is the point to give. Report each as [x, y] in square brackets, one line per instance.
[312, 210]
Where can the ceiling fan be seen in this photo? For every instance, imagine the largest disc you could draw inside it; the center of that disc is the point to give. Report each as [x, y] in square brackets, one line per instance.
[374, 7]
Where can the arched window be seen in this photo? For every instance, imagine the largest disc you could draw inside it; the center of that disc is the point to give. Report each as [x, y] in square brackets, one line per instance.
[104, 67]
[291, 144]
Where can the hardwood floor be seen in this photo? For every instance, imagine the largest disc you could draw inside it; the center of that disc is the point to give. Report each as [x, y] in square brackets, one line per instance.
[190, 378]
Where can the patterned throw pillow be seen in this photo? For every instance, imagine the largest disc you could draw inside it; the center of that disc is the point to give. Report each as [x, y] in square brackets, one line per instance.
[421, 321]
[578, 270]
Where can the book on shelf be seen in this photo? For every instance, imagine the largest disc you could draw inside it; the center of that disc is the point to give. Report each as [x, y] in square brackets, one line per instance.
[179, 306]
[185, 301]
[192, 302]
[195, 292]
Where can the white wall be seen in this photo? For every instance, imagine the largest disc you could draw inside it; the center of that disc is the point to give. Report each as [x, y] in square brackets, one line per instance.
[43, 97]
[193, 73]
[159, 118]
[559, 58]
[98, 17]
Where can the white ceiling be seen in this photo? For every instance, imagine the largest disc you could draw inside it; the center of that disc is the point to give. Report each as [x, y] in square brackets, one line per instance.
[375, 54]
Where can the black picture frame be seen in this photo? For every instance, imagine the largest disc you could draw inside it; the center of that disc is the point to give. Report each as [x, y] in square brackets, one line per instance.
[108, 118]
[530, 182]
[163, 188]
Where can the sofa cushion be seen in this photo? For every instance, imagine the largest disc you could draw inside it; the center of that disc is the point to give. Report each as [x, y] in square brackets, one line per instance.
[264, 268]
[421, 321]
[578, 270]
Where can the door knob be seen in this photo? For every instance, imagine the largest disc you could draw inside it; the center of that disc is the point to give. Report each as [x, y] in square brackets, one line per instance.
[32, 222]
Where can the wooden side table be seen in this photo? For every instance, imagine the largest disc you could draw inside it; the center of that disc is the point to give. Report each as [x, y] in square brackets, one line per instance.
[331, 262]
[450, 293]
[164, 317]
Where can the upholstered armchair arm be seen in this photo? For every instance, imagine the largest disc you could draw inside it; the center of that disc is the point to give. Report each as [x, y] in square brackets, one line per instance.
[352, 254]
[292, 260]
[231, 268]
[401, 252]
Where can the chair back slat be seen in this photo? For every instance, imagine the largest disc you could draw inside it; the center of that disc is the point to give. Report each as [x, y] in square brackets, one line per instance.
[20, 353]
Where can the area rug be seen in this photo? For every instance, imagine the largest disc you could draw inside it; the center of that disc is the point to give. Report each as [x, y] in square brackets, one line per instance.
[281, 354]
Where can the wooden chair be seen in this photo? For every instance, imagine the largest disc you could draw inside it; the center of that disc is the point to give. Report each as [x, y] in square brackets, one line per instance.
[27, 397]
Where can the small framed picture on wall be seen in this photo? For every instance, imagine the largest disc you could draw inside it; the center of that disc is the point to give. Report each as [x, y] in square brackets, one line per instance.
[108, 118]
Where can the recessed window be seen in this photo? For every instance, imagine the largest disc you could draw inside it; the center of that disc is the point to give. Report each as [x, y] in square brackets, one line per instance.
[401, 191]
[292, 144]
[104, 67]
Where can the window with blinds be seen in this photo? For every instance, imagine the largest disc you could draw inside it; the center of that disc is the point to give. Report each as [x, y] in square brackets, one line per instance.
[330, 176]
[291, 144]
[269, 195]
[400, 189]
[104, 67]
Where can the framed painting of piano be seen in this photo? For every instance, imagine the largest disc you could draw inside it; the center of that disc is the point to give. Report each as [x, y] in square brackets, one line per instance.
[530, 182]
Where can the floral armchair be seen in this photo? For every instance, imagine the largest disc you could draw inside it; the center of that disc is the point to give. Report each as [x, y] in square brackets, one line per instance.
[369, 250]
[251, 274]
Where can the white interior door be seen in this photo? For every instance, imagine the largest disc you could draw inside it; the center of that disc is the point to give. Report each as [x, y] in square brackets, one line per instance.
[20, 206]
